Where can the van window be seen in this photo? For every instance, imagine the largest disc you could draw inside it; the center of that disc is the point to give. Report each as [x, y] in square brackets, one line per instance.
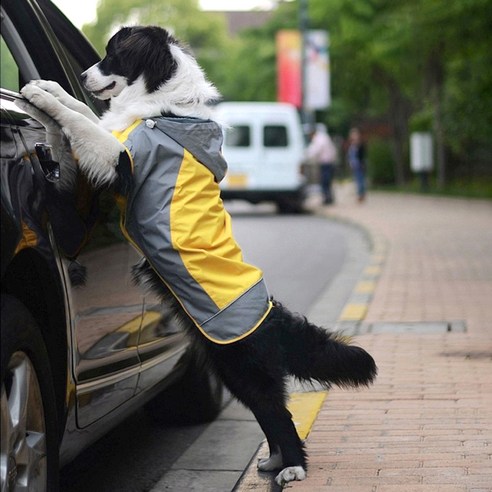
[238, 136]
[275, 136]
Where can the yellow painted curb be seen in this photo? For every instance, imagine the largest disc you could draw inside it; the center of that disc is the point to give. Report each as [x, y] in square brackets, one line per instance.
[365, 287]
[353, 312]
[305, 408]
[372, 270]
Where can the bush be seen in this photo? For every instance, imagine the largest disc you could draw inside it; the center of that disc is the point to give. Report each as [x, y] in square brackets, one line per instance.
[380, 163]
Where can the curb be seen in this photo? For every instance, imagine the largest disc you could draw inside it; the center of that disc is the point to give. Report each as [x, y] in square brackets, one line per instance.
[355, 310]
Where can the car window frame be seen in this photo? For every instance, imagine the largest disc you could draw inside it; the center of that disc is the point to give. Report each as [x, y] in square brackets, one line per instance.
[17, 48]
[46, 43]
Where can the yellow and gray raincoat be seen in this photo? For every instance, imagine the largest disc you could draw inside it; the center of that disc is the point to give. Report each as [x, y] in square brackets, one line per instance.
[174, 216]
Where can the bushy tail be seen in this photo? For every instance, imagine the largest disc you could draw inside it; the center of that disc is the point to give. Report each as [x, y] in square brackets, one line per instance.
[313, 353]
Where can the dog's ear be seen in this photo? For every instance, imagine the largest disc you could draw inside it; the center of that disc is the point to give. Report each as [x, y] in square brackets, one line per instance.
[146, 50]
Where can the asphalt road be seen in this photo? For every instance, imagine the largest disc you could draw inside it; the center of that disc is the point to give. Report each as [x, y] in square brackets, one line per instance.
[300, 256]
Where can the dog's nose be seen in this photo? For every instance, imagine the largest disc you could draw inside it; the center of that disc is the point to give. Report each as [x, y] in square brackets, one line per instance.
[83, 76]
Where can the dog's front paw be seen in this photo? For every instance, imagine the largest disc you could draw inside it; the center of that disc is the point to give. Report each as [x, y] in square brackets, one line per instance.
[38, 97]
[65, 99]
[49, 86]
[290, 474]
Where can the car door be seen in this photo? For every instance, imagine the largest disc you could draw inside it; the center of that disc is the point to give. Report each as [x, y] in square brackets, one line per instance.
[160, 339]
[105, 308]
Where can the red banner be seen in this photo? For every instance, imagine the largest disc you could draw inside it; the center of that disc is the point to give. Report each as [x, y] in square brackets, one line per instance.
[289, 70]
[317, 67]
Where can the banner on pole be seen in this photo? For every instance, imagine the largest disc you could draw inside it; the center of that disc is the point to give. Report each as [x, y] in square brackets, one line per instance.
[317, 94]
[289, 69]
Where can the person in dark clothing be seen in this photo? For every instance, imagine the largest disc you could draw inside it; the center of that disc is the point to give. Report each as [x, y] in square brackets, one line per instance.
[356, 158]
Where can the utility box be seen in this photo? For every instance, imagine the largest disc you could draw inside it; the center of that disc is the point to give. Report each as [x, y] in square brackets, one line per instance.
[421, 152]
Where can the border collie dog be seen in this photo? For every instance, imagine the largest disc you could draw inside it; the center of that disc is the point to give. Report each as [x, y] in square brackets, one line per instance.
[160, 150]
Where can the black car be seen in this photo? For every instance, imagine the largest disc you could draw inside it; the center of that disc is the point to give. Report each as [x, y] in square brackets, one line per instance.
[81, 345]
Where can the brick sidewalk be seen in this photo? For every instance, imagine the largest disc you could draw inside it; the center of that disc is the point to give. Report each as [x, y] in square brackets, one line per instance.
[426, 425]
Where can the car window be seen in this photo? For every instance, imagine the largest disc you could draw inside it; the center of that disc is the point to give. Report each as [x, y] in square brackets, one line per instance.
[275, 136]
[9, 73]
[238, 136]
[79, 54]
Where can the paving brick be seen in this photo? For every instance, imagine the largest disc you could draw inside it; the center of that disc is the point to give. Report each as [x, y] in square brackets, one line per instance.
[426, 425]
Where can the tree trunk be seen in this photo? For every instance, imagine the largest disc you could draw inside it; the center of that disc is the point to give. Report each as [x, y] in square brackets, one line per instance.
[435, 74]
[439, 138]
[398, 117]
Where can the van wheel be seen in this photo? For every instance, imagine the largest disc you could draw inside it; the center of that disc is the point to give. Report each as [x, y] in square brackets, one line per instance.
[195, 398]
[290, 206]
[29, 444]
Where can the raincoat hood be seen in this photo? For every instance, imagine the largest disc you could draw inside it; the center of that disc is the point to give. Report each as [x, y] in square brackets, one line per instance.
[202, 138]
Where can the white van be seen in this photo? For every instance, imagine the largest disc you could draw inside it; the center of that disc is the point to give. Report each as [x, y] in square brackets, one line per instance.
[264, 148]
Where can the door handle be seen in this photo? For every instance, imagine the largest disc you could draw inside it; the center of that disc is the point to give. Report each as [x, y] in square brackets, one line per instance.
[51, 168]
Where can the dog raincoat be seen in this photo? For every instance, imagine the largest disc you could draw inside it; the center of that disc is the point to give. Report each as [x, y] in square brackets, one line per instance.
[174, 216]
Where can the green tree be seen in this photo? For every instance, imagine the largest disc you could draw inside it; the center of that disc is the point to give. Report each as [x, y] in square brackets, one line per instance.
[409, 64]
[204, 32]
[249, 69]
[413, 57]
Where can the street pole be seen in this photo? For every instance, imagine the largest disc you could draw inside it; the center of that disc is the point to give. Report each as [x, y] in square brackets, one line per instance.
[306, 114]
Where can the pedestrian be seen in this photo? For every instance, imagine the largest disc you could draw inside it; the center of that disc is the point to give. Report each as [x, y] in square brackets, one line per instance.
[356, 157]
[322, 152]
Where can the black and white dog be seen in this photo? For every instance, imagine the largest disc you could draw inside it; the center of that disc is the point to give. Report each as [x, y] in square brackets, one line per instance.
[147, 73]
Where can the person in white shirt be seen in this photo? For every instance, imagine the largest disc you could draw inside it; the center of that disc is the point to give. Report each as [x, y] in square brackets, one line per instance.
[322, 151]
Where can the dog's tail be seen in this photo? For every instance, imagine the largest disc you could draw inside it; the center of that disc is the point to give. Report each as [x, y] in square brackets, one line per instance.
[313, 353]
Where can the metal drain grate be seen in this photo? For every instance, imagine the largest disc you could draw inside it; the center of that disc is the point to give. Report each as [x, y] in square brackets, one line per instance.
[434, 327]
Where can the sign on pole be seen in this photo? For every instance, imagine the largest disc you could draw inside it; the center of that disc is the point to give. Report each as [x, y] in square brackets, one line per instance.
[289, 69]
[317, 93]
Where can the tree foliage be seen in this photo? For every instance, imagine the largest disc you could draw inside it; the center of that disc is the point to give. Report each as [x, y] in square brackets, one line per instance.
[409, 65]
[205, 32]
[416, 61]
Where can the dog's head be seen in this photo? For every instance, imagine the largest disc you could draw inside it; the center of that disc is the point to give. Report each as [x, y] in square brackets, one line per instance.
[133, 52]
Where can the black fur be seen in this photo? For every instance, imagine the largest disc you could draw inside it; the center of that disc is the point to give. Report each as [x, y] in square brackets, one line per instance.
[255, 369]
[137, 54]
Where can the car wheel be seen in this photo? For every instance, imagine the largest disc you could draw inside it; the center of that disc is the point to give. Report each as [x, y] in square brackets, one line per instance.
[29, 445]
[195, 398]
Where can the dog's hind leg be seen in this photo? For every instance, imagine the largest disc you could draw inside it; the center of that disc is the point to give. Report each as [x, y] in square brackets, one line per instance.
[286, 449]
[267, 401]
[253, 371]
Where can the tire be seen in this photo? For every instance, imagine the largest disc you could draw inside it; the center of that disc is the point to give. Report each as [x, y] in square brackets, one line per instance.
[195, 398]
[29, 442]
[291, 205]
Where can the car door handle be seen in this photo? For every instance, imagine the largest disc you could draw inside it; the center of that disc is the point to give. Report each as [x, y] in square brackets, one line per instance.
[51, 168]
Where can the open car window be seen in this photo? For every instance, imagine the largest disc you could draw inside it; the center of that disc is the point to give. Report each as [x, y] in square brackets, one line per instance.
[9, 73]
